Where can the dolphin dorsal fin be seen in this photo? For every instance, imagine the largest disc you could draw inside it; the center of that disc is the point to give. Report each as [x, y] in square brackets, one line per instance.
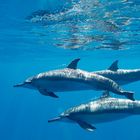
[114, 66]
[73, 64]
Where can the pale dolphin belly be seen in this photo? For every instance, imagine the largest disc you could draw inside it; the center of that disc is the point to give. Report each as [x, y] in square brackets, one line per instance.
[63, 85]
[102, 118]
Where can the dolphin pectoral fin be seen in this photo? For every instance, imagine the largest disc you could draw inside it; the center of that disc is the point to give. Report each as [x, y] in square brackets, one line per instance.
[114, 66]
[86, 125]
[47, 93]
[129, 95]
[82, 124]
[53, 95]
[73, 64]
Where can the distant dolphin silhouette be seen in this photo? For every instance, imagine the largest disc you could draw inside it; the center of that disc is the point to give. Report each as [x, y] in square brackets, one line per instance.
[72, 79]
[105, 109]
[120, 76]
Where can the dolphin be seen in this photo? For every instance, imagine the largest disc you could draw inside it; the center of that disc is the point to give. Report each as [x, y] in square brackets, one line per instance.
[120, 76]
[72, 79]
[101, 110]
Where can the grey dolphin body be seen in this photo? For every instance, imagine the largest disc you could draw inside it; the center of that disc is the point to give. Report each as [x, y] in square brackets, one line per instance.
[72, 79]
[105, 109]
[120, 76]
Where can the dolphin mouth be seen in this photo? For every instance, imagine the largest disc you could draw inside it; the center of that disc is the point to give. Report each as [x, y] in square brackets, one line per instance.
[19, 85]
[54, 119]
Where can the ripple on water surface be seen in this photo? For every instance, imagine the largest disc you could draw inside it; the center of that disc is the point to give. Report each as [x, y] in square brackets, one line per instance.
[91, 25]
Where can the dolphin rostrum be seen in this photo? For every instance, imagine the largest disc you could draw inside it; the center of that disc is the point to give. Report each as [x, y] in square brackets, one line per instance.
[120, 76]
[72, 79]
[104, 109]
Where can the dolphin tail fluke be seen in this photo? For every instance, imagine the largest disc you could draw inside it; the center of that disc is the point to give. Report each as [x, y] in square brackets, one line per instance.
[129, 95]
[54, 119]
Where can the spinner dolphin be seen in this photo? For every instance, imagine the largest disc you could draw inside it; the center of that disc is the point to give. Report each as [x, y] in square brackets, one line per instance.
[72, 79]
[120, 76]
[104, 109]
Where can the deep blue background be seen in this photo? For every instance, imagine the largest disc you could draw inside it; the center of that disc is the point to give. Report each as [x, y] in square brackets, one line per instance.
[23, 112]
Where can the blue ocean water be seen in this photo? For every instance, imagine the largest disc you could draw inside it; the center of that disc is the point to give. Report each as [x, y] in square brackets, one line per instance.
[97, 31]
